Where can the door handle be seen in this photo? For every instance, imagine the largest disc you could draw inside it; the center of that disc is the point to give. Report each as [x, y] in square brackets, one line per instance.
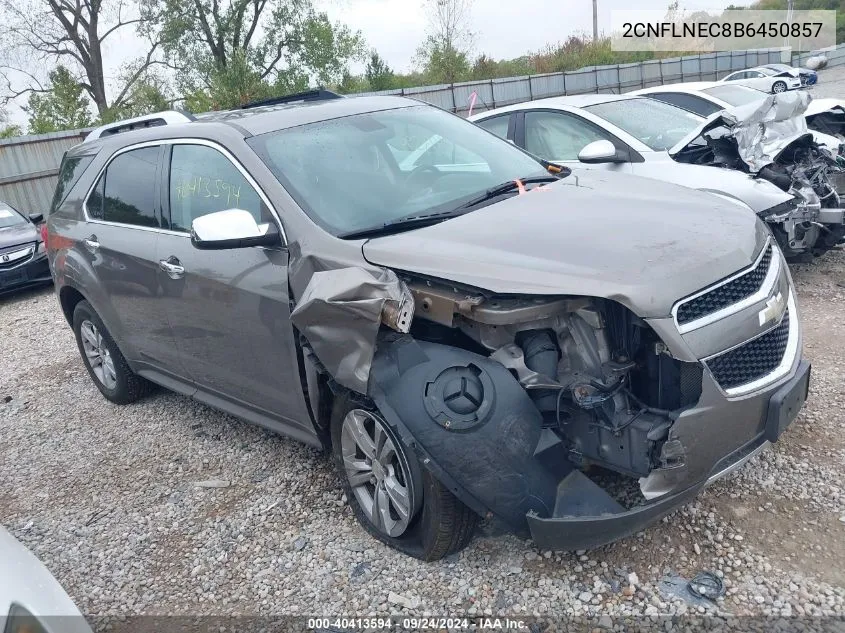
[91, 244]
[172, 267]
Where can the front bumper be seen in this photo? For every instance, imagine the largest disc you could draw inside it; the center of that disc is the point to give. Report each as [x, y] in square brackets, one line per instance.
[34, 271]
[600, 525]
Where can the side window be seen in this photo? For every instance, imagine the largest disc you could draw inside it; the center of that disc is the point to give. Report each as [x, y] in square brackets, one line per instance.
[125, 192]
[496, 124]
[203, 181]
[69, 174]
[558, 136]
[699, 106]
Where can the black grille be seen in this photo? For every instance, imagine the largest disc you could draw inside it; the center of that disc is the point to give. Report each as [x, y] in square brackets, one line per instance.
[752, 360]
[14, 262]
[727, 294]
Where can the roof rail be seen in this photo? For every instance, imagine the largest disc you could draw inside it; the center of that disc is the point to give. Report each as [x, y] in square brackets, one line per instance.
[168, 117]
[309, 95]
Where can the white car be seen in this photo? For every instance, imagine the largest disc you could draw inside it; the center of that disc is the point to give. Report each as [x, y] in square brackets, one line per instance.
[645, 137]
[708, 97]
[31, 600]
[765, 79]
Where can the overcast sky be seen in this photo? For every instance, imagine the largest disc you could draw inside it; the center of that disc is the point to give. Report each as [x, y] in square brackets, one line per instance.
[504, 28]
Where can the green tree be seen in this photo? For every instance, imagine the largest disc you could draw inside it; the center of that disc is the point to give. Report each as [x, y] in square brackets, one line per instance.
[63, 107]
[444, 54]
[148, 94]
[378, 73]
[10, 131]
[39, 34]
[238, 50]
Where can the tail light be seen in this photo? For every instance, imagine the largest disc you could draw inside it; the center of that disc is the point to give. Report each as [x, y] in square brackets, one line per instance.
[44, 234]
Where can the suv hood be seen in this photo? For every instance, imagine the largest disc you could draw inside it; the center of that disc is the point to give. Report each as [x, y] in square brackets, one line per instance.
[761, 130]
[637, 241]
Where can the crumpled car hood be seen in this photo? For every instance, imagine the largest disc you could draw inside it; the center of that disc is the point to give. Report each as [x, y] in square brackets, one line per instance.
[762, 129]
[637, 241]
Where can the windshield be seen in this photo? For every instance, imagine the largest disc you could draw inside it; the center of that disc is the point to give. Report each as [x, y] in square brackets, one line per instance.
[369, 169]
[656, 124]
[10, 217]
[735, 95]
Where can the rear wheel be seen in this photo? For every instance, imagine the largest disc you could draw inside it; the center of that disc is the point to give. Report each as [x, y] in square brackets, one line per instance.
[393, 498]
[103, 360]
[778, 87]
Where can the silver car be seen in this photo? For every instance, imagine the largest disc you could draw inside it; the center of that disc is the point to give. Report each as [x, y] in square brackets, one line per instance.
[645, 137]
[468, 330]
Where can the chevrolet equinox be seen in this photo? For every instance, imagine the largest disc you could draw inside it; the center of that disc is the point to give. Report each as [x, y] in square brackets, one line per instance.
[471, 332]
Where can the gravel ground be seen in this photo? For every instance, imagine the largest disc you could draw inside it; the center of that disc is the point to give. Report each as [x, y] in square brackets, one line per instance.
[108, 498]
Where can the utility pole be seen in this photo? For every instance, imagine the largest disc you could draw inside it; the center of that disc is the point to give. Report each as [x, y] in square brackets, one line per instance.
[595, 21]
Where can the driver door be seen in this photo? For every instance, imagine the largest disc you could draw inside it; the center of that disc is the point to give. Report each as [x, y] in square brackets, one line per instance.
[560, 136]
[229, 309]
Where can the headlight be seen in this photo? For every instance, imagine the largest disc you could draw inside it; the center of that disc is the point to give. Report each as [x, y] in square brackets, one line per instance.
[20, 620]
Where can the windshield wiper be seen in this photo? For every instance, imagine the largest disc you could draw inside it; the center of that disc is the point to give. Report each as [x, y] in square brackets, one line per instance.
[419, 221]
[506, 187]
[402, 224]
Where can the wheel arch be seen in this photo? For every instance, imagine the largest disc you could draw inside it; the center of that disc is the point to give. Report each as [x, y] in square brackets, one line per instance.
[69, 297]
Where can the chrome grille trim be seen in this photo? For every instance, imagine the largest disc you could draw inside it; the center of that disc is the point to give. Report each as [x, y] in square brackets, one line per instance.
[762, 293]
[786, 363]
[10, 259]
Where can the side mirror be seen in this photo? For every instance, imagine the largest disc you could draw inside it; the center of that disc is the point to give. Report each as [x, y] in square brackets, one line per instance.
[36, 218]
[232, 228]
[601, 152]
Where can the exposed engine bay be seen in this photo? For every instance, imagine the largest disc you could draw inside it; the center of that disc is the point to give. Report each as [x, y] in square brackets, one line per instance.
[601, 379]
[770, 140]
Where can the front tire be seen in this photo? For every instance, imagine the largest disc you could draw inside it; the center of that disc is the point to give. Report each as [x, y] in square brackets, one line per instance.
[393, 498]
[103, 360]
[778, 87]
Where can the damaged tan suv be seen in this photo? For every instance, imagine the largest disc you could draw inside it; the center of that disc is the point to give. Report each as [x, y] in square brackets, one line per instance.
[469, 331]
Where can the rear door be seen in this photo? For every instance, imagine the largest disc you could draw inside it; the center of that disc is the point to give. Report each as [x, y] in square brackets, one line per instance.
[120, 241]
[229, 309]
[560, 136]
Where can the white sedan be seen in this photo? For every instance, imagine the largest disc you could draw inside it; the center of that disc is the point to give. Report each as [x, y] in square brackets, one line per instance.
[648, 138]
[765, 79]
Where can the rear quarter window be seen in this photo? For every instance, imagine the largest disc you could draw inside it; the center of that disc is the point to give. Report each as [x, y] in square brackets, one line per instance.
[70, 172]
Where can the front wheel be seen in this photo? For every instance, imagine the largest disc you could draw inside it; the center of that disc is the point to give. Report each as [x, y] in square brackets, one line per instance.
[393, 498]
[778, 87]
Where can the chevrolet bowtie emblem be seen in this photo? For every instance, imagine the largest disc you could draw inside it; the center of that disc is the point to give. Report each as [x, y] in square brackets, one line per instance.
[773, 309]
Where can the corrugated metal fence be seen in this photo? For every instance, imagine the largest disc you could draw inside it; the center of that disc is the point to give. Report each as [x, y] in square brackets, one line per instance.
[618, 78]
[29, 164]
[29, 168]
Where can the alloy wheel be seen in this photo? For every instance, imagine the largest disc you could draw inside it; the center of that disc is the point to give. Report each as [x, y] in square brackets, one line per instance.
[377, 471]
[97, 354]
[779, 87]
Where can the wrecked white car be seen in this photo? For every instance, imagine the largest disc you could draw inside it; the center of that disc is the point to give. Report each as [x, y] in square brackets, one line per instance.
[649, 138]
[770, 139]
[470, 331]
